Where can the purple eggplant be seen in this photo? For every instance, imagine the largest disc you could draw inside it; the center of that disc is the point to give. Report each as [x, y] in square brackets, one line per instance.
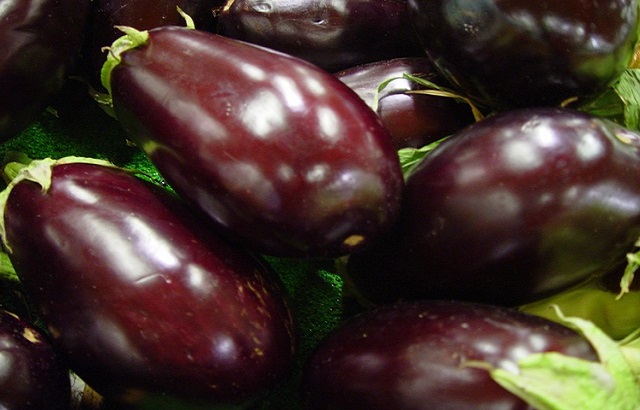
[143, 15]
[518, 206]
[32, 374]
[281, 155]
[40, 42]
[413, 356]
[142, 300]
[331, 34]
[417, 356]
[413, 120]
[523, 53]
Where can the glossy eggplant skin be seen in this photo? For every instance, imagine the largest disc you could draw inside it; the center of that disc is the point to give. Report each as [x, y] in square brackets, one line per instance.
[33, 375]
[145, 304]
[40, 42]
[518, 53]
[141, 15]
[413, 120]
[331, 34]
[281, 155]
[513, 208]
[411, 356]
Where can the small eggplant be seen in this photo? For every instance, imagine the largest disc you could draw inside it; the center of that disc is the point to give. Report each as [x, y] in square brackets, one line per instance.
[146, 305]
[419, 355]
[281, 155]
[511, 209]
[40, 42]
[413, 120]
[331, 34]
[32, 374]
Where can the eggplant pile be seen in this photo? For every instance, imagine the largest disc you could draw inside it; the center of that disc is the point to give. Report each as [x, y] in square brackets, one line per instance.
[310, 204]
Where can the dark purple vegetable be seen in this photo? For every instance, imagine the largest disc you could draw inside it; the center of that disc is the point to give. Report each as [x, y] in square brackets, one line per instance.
[413, 120]
[280, 154]
[32, 375]
[515, 207]
[145, 303]
[331, 34]
[40, 42]
[412, 356]
[143, 15]
[518, 53]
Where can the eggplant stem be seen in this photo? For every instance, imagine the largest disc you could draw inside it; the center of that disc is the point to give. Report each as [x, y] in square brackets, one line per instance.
[131, 39]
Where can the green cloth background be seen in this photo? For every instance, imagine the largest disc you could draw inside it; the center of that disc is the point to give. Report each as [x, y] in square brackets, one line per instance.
[75, 125]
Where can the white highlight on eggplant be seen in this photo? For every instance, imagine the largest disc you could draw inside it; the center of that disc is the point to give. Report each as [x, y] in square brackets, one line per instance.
[264, 114]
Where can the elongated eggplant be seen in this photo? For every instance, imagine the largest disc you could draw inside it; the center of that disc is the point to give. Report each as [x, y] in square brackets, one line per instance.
[281, 155]
[143, 15]
[414, 356]
[331, 34]
[32, 376]
[40, 42]
[413, 120]
[511, 209]
[146, 304]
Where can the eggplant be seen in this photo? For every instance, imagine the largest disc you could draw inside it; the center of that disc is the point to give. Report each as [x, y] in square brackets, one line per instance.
[419, 355]
[33, 376]
[40, 42]
[106, 15]
[520, 53]
[413, 120]
[143, 301]
[283, 157]
[511, 209]
[333, 35]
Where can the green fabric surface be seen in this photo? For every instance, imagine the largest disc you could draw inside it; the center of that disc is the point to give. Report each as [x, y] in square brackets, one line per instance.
[76, 125]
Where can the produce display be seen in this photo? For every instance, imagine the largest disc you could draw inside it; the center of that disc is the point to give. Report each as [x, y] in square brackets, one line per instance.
[302, 204]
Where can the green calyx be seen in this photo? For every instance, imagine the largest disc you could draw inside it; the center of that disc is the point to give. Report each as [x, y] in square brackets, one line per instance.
[21, 168]
[131, 39]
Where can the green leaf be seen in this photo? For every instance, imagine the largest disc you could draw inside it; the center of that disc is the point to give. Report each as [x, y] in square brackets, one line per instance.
[628, 89]
[376, 96]
[411, 157]
[607, 105]
[617, 317]
[434, 89]
[7, 272]
[621, 102]
[633, 262]
[553, 381]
